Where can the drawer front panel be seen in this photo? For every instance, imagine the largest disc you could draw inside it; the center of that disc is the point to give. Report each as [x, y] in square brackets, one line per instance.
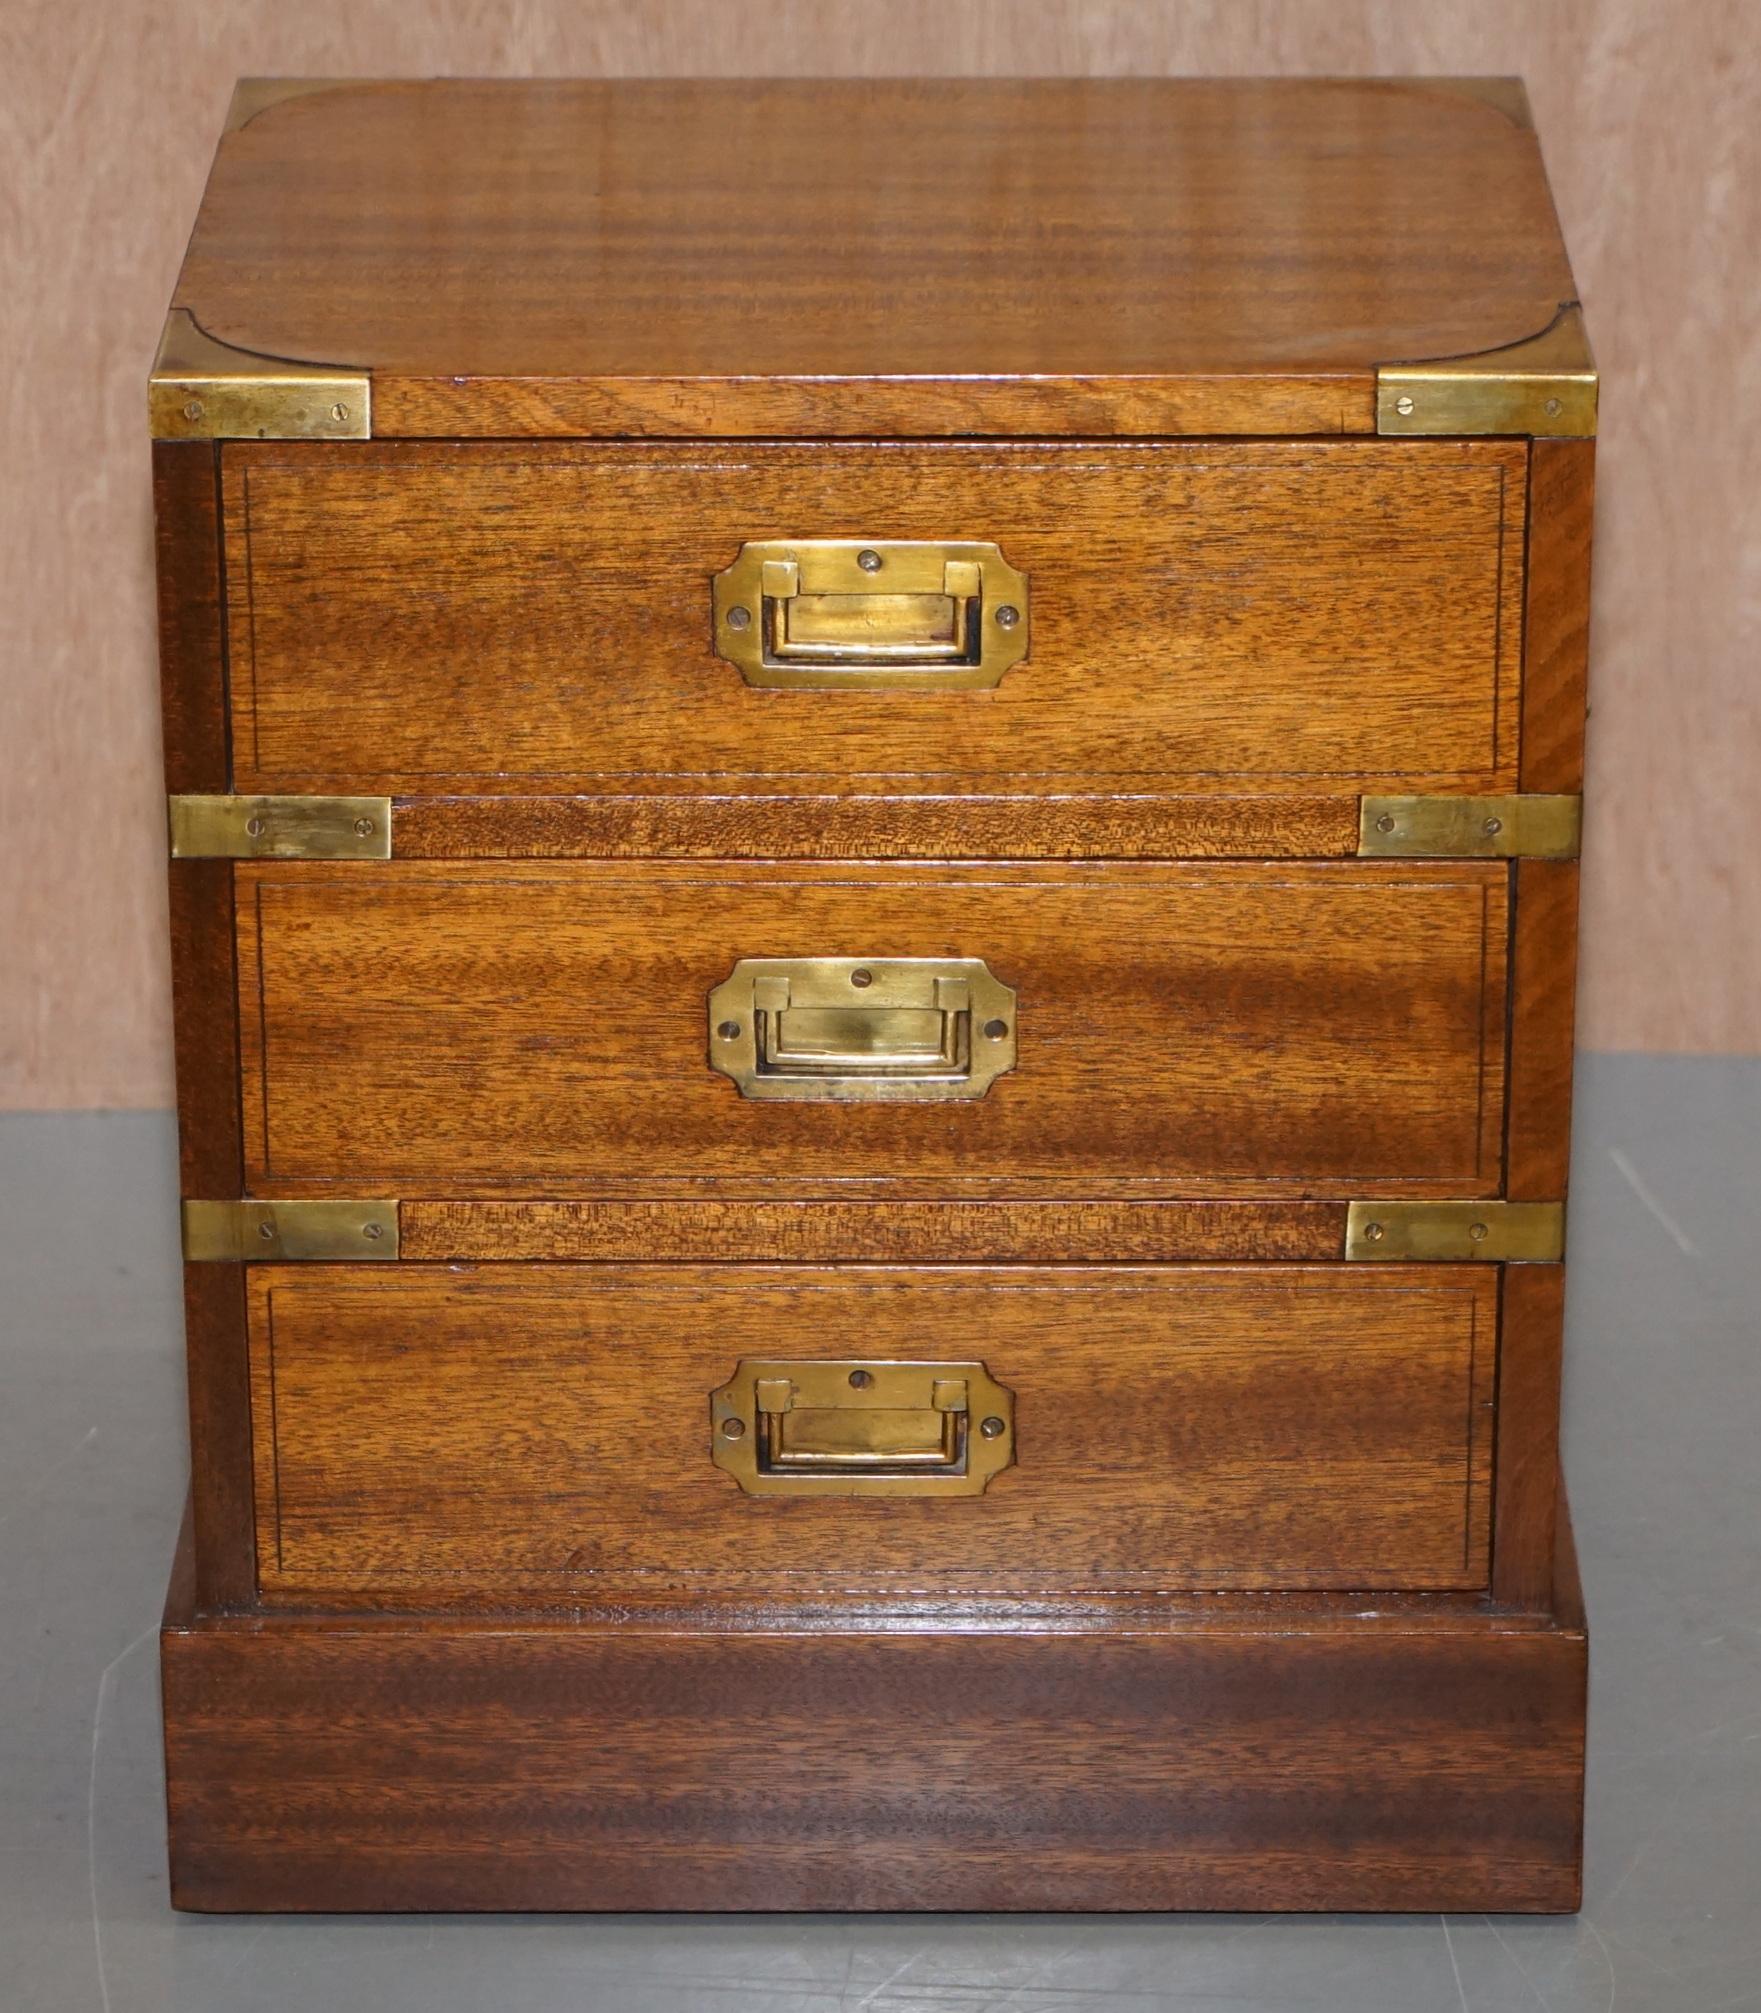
[417, 1028]
[1283, 615]
[541, 1427]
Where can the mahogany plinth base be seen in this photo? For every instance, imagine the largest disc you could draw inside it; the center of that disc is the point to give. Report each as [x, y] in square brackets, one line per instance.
[1236, 1755]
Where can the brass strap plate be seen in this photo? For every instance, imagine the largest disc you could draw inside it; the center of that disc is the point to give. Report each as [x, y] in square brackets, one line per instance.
[1469, 828]
[201, 389]
[251, 95]
[237, 1232]
[1503, 1232]
[853, 614]
[862, 1030]
[857, 1428]
[1545, 387]
[280, 828]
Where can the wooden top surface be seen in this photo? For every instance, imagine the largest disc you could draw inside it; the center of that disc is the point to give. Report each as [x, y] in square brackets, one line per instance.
[1165, 249]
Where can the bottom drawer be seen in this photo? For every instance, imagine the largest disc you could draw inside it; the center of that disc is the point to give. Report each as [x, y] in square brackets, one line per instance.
[430, 1433]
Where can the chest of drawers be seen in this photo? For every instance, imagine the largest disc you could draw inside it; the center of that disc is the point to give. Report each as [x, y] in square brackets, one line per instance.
[874, 801]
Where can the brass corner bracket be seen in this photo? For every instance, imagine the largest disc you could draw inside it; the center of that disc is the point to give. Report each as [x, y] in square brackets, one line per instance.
[280, 828]
[1508, 95]
[201, 389]
[1531, 1233]
[1545, 387]
[252, 95]
[1533, 827]
[277, 1232]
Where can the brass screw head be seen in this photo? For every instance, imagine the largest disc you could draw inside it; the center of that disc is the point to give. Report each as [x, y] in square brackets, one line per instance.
[363, 828]
[266, 1231]
[1008, 616]
[1403, 406]
[1476, 1231]
[861, 977]
[869, 560]
[992, 1428]
[861, 1379]
[255, 827]
[729, 1030]
[373, 1232]
[733, 1429]
[739, 618]
[1552, 408]
[192, 408]
[1493, 827]
[1385, 823]
[1374, 1232]
[995, 1029]
[339, 413]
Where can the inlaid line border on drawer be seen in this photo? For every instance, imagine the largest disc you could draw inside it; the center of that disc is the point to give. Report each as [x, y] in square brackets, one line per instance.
[1503, 462]
[1477, 1290]
[259, 882]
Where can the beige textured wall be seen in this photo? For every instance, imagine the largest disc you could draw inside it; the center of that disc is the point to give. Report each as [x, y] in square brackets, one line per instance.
[1650, 112]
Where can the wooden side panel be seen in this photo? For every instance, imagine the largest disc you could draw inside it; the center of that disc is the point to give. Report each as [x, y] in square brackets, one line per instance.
[1556, 661]
[1261, 1763]
[192, 668]
[205, 1026]
[1531, 1337]
[220, 1435]
[416, 1028]
[192, 665]
[417, 616]
[1544, 974]
[1556, 642]
[192, 678]
[483, 1430]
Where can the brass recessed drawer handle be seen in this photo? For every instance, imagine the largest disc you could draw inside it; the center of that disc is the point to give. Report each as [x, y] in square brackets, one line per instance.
[851, 613]
[862, 1428]
[862, 1030]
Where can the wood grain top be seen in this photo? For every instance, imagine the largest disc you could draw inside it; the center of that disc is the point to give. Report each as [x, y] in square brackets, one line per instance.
[819, 256]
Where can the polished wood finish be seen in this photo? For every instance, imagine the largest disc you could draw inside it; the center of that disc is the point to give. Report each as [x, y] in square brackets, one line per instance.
[413, 1028]
[1544, 969]
[1544, 951]
[1026, 1231]
[822, 257]
[192, 682]
[192, 665]
[428, 616]
[430, 1433]
[1218, 1756]
[221, 1495]
[199, 900]
[1275, 1604]
[1556, 641]
[1037, 817]
[1531, 1337]
[192, 668]
[108, 166]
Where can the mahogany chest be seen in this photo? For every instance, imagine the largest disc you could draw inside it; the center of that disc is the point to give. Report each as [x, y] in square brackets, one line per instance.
[874, 794]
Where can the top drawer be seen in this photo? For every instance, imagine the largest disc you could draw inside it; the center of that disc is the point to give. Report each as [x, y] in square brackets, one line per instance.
[408, 617]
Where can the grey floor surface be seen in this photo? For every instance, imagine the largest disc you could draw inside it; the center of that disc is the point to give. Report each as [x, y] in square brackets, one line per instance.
[1663, 1411]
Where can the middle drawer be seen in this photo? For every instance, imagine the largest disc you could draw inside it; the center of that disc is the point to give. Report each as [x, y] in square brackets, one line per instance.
[1252, 1028]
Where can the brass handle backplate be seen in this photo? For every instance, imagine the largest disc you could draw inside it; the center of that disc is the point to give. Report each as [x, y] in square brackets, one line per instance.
[854, 1428]
[831, 614]
[862, 1030]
